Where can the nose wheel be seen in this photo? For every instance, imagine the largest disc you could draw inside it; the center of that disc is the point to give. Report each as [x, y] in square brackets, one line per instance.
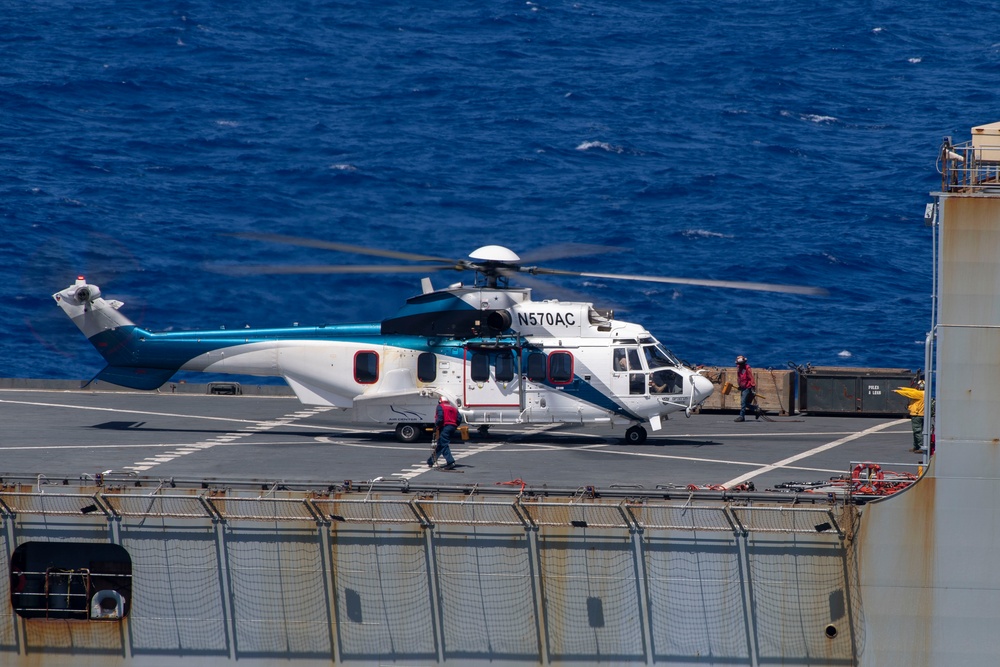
[635, 435]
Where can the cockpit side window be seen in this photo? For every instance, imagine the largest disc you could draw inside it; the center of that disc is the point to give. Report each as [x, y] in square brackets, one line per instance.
[656, 357]
[666, 382]
[633, 359]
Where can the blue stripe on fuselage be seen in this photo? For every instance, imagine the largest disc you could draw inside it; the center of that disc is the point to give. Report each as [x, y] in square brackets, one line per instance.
[131, 346]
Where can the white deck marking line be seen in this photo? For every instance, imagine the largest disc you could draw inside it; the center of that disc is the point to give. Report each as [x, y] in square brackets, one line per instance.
[184, 450]
[601, 449]
[822, 448]
[420, 469]
[750, 434]
[159, 414]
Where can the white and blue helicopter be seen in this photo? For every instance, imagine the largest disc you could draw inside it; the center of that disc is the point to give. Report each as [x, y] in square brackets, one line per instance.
[499, 356]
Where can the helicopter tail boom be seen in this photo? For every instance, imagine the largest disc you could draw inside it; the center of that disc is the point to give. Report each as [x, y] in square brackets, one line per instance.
[111, 333]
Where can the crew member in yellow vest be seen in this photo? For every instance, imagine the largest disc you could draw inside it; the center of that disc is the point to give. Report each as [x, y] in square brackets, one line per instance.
[916, 410]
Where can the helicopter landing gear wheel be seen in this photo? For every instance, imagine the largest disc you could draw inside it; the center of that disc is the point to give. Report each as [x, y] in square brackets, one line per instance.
[635, 435]
[408, 432]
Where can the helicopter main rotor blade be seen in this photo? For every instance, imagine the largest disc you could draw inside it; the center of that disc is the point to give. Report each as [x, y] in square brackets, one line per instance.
[285, 269]
[729, 284]
[563, 250]
[545, 288]
[339, 247]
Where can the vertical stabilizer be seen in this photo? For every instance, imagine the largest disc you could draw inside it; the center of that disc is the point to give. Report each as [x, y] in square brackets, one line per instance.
[113, 335]
[92, 314]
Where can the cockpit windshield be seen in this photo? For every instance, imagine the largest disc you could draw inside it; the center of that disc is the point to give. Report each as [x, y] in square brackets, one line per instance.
[658, 357]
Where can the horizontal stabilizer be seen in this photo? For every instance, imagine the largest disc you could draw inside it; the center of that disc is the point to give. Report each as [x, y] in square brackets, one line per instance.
[135, 378]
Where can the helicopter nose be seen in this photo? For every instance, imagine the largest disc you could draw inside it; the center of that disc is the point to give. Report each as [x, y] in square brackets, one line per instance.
[701, 388]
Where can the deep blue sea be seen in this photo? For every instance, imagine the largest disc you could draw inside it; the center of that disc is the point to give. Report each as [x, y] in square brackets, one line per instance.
[734, 140]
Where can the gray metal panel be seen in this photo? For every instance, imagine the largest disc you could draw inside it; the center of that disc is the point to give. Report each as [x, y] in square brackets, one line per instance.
[877, 395]
[830, 394]
[696, 598]
[797, 595]
[968, 388]
[487, 594]
[591, 597]
[844, 393]
[381, 581]
[170, 613]
[278, 608]
[8, 636]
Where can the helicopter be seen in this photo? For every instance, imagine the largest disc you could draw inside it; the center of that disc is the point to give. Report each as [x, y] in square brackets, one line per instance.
[498, 355]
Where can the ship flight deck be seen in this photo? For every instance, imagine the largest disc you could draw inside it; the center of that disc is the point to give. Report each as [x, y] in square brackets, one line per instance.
[57, 435]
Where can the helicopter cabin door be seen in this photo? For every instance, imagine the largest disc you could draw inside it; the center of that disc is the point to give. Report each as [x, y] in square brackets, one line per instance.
[492, 381]
[628, 378]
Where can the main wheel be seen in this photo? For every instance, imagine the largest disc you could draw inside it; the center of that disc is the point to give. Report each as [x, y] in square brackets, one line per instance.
[409, 432]
[635, 435]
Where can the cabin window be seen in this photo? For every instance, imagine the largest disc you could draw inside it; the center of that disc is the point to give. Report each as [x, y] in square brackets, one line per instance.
[80, 580]
[427, 367]
[536, 367]
[366, 367]
[621, 361]
[633, 359]
[637, 384]
[505, 366]
[479, 367]
[627, 359]
[561, 367]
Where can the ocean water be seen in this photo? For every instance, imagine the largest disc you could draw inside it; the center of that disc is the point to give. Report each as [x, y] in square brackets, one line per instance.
[759, 141]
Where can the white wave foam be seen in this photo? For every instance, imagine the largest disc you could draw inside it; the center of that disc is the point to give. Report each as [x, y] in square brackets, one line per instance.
[343, 167]
[704, 233]
[587, 145]
[844, 354]
[815, 118]
[812, 117]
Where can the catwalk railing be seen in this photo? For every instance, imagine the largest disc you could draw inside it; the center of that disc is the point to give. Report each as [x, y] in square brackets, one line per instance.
[971, 166]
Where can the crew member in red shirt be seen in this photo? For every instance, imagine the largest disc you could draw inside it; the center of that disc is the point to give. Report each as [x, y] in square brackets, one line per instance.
[748, 388]
[446, 420]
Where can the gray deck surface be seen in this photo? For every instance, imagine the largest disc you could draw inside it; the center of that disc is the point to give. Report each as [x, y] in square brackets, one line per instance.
[189, 436]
